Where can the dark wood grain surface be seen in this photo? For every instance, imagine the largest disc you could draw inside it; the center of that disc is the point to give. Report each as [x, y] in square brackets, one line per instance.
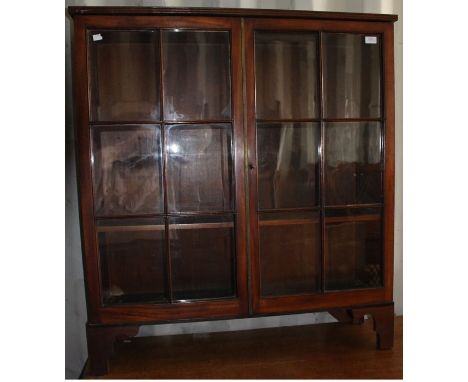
[324, 351]
[239, 12]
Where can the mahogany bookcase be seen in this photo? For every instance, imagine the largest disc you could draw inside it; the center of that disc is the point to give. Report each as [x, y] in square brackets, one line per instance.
[233, 163]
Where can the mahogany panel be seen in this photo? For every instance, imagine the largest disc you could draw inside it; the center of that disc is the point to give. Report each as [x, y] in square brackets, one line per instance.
[389, 159]
[240, 12]
[319, 302]
[84, 172]
[151, 22]
[311, 25]
[177, 311]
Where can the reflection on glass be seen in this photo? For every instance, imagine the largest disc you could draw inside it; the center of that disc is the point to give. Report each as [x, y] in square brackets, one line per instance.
[132, 260]
[286, 73]
[124, 75]
[353, 252]
[288, 164]
[202, 257]
[127, 170]
[196, 75]
[351, 76]
[289, 253]
[199, 167]
[353, 169]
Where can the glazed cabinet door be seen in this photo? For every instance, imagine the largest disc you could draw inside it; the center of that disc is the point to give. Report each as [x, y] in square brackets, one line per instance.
[165, 138]
[316, 138]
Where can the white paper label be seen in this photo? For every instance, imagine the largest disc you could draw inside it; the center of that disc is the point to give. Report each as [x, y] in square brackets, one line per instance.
[371, 39]
[97, 37]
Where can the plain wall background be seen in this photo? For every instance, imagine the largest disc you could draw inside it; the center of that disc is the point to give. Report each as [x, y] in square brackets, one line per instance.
[75, 313]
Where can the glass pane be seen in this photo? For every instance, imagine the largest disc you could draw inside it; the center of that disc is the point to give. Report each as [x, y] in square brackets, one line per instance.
[127, 170]
[202, 257]
[351, 75]
[199, 167]
[124, 75]
[286, 75]
[196, 75]
[289, 253]
[132, 260]
[353, 250]
[288, 164]
[353, 167]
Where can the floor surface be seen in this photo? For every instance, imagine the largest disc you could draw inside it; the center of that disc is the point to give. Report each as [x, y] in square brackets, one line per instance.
[324, 351]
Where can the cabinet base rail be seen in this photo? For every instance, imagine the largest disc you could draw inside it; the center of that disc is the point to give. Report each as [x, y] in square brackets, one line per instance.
[101, 338]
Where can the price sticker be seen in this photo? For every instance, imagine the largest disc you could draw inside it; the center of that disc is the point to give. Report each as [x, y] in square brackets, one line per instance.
[371, 39]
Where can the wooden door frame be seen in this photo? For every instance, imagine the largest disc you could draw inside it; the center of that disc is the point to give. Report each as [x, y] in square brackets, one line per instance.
[322, 300]
[151, 313]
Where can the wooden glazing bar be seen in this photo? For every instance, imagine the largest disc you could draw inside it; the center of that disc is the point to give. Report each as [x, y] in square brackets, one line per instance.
[173, 226]
[246, 189]
[110, 123]
[288, 120]
[201, 213]
[174, 214]
[167, 253]
[322, 164]
[199, 122]
[345, 219]
[353, 119]
[281, 222]
[296, 209]
[136, 216]
[354, 206]
[127, 228]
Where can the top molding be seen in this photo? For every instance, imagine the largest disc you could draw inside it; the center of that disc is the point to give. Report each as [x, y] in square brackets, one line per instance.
[232, 12]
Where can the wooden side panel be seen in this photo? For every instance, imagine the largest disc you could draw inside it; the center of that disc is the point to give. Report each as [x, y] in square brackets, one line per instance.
[85, 192]
[389, 161]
